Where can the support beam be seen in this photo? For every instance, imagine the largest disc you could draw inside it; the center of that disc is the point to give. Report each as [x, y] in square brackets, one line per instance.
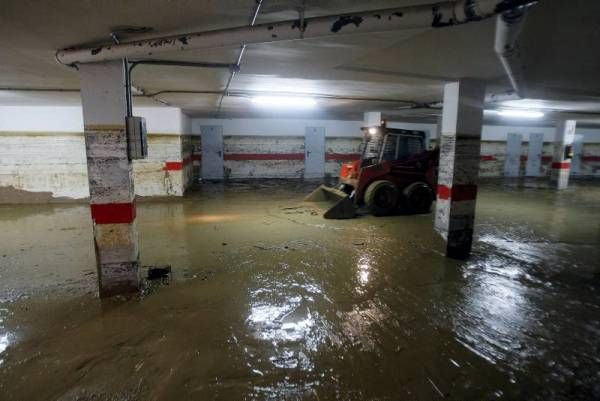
[563, 152]
[460, 145]
[110, 176]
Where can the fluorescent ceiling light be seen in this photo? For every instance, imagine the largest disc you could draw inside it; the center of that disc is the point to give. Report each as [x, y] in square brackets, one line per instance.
[525, 104]
[372, 130]
[284, 101]
[520, 113]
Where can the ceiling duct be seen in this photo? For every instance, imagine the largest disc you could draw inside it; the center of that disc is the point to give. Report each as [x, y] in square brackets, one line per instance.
[439, 15]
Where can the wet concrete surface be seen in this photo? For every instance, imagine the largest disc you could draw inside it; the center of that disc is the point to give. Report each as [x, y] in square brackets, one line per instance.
[267, 300]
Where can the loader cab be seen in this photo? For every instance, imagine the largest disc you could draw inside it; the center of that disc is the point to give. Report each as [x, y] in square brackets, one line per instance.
[402, 145]
[392, 145]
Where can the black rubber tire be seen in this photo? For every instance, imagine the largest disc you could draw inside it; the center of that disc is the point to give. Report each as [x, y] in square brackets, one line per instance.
[417, 198]
[381, 198]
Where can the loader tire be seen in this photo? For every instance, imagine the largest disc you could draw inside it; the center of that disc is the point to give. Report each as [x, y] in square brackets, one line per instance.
[381, 198]
[417, 198]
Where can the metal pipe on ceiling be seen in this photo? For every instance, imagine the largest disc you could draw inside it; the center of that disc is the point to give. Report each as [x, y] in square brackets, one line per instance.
[131, 65]
[439, 15]
[240, 56]
[252, 93]
[508, 28]
[199, 64]
[237, 93]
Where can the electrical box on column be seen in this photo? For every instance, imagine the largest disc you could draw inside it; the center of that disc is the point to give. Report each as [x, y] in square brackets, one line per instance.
[137, 138]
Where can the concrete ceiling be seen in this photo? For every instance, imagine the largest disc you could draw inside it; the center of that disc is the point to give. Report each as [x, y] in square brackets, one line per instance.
[562, 67]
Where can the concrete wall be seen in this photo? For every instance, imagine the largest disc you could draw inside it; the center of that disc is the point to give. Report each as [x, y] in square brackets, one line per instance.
[250, 146]
[42, 154]
[161, 173]
[493, 155]
[274, 148]
[263, 156]
[52, 165]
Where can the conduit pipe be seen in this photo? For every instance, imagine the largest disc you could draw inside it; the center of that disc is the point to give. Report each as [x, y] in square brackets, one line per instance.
[508, 29]
[422, 16]
[236, 93]
[238, 62]
[131, 65]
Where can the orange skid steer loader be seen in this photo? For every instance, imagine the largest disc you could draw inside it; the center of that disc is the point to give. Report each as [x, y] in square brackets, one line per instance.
[395, 174]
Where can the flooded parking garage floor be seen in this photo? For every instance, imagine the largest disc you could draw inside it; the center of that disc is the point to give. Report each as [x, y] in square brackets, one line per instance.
[267, 300]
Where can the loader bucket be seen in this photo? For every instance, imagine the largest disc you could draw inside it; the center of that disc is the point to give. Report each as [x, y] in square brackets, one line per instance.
[336, 204]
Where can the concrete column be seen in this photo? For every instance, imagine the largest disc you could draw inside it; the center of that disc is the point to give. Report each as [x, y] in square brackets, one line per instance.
[438, 131]
[512, 163]
[314, 152]
[577, 162]
[535, 148]
[460, 145]
[561, 161]
[112, 199]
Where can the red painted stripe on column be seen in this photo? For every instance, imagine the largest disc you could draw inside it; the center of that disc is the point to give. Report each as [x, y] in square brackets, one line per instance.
[591, 158]
[487, 158]
[342, 157]
[457, 193]
[443, 192]
[263, 156]
[113, 213]
[177, 165]
[173, 166]
[561, 165]
[464, 192]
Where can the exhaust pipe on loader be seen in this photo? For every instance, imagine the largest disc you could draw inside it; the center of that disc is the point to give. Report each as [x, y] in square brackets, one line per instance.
[336, 204]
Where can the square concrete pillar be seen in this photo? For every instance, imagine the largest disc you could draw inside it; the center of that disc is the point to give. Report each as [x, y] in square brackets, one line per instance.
[512, 163]
[460, 145]
[535, 148]
[563, 145]
[577, 161]
[314, 152]
[110, 176]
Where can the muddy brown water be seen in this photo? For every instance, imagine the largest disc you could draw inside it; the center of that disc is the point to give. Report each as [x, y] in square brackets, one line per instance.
[269, 301]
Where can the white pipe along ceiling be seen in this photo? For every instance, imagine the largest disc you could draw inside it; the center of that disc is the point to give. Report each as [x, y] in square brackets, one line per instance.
[437, 16]
[508, 28]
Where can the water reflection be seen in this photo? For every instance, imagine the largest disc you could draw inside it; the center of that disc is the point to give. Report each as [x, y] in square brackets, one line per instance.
[496, 314]
[3, 346]
[363, 270]
[371, 314]
[212, 218]
[281, 323]
[4, 337]
[284, 319]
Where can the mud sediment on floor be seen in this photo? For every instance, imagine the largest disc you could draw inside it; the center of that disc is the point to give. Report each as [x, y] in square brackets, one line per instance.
[266, 299]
